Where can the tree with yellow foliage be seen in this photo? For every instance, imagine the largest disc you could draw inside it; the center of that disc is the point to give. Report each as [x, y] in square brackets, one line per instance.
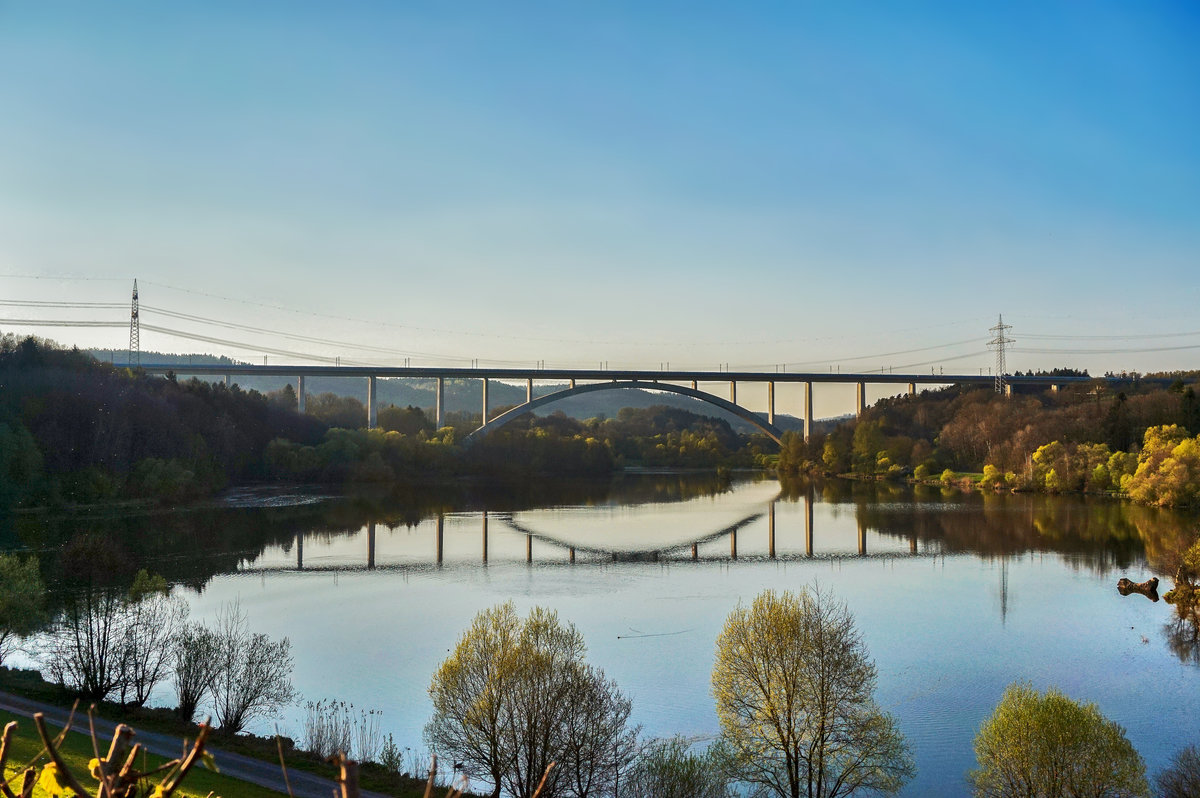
[794, 688]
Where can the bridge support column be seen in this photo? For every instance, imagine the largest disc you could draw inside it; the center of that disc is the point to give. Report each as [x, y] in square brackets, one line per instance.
[1007, 390]
[300, 552]
[528, 548]
[1053, 389]
[912, 389]
[732, 392]
[228, 379]
[485, 540]
[771, 530]
[695, 551]
[862, 538]
[371, 411]
[572, 382]
[485, 400]
[770, 402]
[371, 546]
[300, 403]
[529, 390]
[912, 543]
[439, 403]
[861, 403]
[693, 385]
[571, 555]
[733, 545]
[807, 411]
[441, 528]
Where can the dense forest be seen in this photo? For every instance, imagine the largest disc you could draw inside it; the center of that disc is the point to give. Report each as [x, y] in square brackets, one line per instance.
[76, 430]
[1137, 438]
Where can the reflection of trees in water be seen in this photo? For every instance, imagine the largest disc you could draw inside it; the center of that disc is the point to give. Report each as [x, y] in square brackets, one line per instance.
[191, 546]
[1183, 632]
[1098, 533]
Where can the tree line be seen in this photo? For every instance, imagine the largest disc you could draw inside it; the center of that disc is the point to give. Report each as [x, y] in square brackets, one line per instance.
[77, 431]
[1139, 439]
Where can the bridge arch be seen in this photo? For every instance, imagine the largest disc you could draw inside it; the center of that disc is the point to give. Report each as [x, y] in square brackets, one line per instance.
[770, 430]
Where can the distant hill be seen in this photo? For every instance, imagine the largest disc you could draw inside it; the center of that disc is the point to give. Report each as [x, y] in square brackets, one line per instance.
[466, 395]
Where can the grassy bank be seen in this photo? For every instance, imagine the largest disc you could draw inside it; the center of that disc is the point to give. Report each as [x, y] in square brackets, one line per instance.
[29, 684]
[76, 750]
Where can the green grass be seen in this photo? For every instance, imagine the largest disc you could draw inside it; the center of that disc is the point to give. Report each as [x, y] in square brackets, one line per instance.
[77, 751]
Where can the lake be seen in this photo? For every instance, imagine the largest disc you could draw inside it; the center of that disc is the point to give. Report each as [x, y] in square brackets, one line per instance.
[957, 595]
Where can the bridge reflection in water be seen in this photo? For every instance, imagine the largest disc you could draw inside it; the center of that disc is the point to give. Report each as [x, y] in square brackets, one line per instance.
[426, 543]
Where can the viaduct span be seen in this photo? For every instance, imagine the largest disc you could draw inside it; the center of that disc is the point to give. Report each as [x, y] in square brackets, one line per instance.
[581, 381]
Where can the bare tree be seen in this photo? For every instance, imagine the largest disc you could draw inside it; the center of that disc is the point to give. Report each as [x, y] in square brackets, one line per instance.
[84, 650]
[598, 744]
[1182, 778]
[253, 673]
[195, 664]
[151, 619]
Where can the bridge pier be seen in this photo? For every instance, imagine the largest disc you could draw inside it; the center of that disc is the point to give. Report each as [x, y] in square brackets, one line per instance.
[485, 400]
[732, 392]
[439, 403]
[862, 538]
[228, 380]
[912, 543]
[733, 544]
[695, 551]
[572, 383]
[300, 403]
[571, 555]
[912, 389]
[694, 384]
[771, 402]
[861, 403]
[807, 411]
[528, 548]
[371, 546]
[528, 390]
[371, 411]
[300, 551]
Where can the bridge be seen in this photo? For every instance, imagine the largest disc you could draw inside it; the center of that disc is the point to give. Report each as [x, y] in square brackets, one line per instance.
[581, 381]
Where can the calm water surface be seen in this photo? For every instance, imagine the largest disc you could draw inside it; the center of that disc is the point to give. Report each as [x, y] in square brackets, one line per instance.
[957, 596]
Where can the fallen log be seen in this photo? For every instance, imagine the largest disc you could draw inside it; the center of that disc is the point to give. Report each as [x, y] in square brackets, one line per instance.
[1149, 588]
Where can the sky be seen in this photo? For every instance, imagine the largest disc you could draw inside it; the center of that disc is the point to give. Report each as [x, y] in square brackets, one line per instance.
[795, 185]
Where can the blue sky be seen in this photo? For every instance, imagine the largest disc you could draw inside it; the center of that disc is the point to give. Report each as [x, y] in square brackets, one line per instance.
[693, 183]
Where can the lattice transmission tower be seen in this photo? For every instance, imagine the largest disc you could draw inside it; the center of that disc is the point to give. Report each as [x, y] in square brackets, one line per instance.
[999, 342]
[135, 332]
